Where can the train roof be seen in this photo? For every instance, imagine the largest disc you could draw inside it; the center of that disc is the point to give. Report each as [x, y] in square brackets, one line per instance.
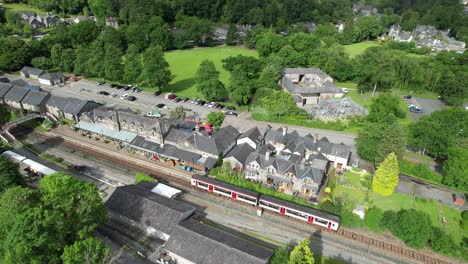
[226, 185]
[301, 208]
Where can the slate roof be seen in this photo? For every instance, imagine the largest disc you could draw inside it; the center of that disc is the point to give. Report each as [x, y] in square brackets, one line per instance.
[52, 76]
[315, 71]
[326, 87]
[16, 94]
[4, 80]
[4, 88]
[35, 98]
[176, 135]
[33, 71]
[253, 134]
[143, 206]
[203, 244]
[240, 152]
[19, 82]
[225, 137]
[71, 105]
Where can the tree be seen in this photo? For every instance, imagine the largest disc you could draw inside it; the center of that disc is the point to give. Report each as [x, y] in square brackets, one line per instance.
[301, 254]
[95, 64]
[76, 201]
[441, 242]
[455, 167]
[269, 43]
[101, 8]
[413, 227]
[385, 108]
[435, 133]
[132, 68]
[231, 36]
[155, 69]
[375, 69]
[251, 65]
[278, 103]
[83, 33]
[82, 56]
[113, 69]
[159, 33]
[280, 255]
[239, 88]
[41, 63]
[14, 53]
[90, 251]
[216, 118]
[208, 82]
[366, 27]
[9, 174]
[386, 176]
[178, 113]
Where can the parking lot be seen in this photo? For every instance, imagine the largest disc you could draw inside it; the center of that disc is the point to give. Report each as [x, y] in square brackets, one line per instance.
[147, 101]
[427, 106]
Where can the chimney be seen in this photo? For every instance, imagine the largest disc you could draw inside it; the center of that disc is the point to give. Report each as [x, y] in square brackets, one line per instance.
[285, 130]
[267, 155]
[316, 137]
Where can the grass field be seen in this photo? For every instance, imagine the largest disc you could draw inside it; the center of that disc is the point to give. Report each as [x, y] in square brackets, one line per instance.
[358, 48]
[22, 7]
[184, 65]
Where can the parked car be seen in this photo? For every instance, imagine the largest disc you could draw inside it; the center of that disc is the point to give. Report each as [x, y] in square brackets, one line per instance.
[101, 83]
[215, 106]
[126, 88]
[232, 108]
[160, 105]
[407, 97]
[211, 104]
[415, 109]
[193, 101]
[124, 96]
[118, 87]
[131, 98]
[172, 97]
[231, 113]
[113, 85]
[114, 95]
[103, 93]
[345, 90]
[201, 102]
[154, 113]
[185, 99]
[158, 93]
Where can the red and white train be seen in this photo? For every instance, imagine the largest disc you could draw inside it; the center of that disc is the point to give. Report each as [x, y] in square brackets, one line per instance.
[266, 202]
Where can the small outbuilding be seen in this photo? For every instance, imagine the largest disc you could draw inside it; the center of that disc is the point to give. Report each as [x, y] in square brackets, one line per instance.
[459, 199]
[33, 73]
[52, 78]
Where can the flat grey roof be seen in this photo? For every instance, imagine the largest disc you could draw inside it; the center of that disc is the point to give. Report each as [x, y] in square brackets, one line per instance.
[124, 136]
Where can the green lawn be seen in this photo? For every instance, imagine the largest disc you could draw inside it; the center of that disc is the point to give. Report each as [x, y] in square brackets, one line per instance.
[416, 156]
[354, 179]
[352, 85]
[398, 201]
[358, 48]
[363, 99]
[22, 7]
[184, 65]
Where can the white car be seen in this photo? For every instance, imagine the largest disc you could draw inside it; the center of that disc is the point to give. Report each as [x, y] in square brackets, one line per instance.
[345, 90]
[124, 96]
[211, 104]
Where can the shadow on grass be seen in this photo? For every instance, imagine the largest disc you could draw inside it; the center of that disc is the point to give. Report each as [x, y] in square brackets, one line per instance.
[181, 85]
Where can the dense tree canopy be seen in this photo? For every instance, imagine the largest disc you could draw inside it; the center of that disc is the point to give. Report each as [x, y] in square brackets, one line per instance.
[208, 82]
[9, 174]
[14, 53]
[155, 69]
[301, 254]
[411, 226]
[216, 118]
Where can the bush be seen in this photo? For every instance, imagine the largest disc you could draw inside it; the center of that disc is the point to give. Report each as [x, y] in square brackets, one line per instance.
[139, 177]
[411, 226]
[373, 219]
[420, 170]
[388, 220]
[443, 243]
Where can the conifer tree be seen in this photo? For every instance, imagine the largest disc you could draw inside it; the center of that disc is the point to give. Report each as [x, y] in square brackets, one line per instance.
[386, 177]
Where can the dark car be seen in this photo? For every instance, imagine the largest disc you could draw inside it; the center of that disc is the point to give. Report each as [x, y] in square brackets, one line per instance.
[177, 100]
[160, 105]
[103, 93]
[415, 109]
[201, 102]
[131, 98]
[407, 97]
[113, 85]
[185, 99]
[158, 93]
[231, 113]
[101, 83]
[171, 97]
[232, 108]
[118, 87]
[126, 88]
[220, 106]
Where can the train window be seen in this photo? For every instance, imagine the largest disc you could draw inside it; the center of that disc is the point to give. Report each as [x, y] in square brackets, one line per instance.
[297, 213]
[321, 221]
[246, 198]
[202, 184]
[222, 190]
[269, 205]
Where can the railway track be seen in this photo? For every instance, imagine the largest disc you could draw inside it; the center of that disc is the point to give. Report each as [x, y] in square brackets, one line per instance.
[182, 180]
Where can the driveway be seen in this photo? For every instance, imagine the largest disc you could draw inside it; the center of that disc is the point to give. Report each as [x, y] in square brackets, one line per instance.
[427, 105]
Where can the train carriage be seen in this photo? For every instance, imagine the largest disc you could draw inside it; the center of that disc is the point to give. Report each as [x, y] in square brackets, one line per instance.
[300, 212]
[225, 189]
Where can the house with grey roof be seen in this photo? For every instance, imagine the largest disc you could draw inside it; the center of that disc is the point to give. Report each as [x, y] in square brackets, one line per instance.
[14, 96]
[309, 86]
[68, 107]
[238, 155]
[19, 82]
[33, 73]
[137, 207]
[195, 242]
[252, 137]
[112, 22]
[35, 101]
[52, 78]
[4, 88]
[365, 10]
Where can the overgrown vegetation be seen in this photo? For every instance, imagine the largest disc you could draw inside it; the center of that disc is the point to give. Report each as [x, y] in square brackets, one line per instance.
[420, 170]
[141, 177]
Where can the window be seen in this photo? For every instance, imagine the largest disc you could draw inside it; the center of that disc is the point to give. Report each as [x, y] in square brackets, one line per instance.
[296, 213]
[321, 221]
[222, 190]
[203, 184]
[269, 205]
[241, 196]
